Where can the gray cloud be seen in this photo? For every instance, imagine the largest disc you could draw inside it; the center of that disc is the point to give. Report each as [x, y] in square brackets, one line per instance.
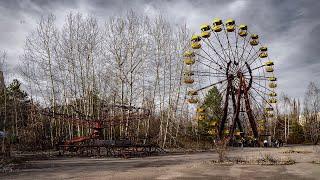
[290, 28]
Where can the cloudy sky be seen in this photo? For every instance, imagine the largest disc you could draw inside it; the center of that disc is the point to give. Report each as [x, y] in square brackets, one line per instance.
[290, 28]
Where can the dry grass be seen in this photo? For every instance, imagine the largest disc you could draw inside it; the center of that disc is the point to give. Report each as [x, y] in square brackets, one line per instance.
[316, 162]
[222, 149]
[262, 159]
[298, 151]
[316, 149]
[268, 159]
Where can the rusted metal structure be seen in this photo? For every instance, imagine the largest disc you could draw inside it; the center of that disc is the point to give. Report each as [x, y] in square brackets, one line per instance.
[229, 57]
[96, 144]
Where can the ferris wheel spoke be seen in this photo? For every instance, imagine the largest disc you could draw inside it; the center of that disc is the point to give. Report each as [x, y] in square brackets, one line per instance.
[256, 52]
[223, 85]
[209, 66]
[254, 99]
[259, 106]
[263, 73]
[222, 88]
[229, 45]
[222, 48]
[203, 75]
[262, 86]
[237, 50]
[229, 50]
[205, 87]
[257, 89]
[208, 72]
[257, 76]
[262, 96]
[199, 85]
[210, 59]
[244, 47]
[260, 79]
[244, 60]
[255, 68]
[224, 91]
[216, 52]
[253, 58]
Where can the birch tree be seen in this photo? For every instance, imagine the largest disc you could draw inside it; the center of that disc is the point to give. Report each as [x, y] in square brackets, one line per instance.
[311, 112]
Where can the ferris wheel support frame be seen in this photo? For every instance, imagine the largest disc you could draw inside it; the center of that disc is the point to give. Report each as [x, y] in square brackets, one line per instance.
[242, 90]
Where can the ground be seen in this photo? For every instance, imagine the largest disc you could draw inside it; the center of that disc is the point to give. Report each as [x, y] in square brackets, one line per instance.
[184, 166]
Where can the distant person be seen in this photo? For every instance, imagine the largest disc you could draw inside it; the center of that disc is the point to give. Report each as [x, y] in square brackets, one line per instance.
[280, 143]
[242, 142]
[265, 143]
[277, 144]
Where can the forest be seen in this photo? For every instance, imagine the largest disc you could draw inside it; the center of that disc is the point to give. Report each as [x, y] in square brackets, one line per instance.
[115, 70]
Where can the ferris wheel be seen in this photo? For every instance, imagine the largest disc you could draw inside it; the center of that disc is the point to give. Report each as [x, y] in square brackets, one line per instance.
[230, 58]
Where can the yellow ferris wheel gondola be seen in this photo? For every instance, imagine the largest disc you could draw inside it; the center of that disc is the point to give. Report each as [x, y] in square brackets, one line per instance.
[189, 61]
[205, 30]
[188, 54]
[195, 42]
[243, 30]
[201, 110]
[201, 117]
[268, 109]
[272, 78]
[230, 25]
[269, 63]
[272, 85]
[195, 45]
[272, 100]
[217, 23]
[214, 123]
[263, 52]
[237, 133]
[272, 94]
[269, 69]
[205, 27]
[192, 93]
[193, 100]
[213, 132]
[226, 132]
[195, 38]
[270, 115]
[205, 34]
[254, 40]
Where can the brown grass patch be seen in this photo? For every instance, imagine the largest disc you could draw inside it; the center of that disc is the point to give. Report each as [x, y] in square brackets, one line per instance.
[264, 159]
[291, 151]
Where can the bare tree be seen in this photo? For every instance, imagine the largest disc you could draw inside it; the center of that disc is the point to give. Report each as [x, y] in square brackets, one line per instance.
[3, 94]
[131, 60]
[311, 112]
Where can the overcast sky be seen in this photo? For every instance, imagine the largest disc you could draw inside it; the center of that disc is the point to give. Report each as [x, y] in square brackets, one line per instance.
[290, 28]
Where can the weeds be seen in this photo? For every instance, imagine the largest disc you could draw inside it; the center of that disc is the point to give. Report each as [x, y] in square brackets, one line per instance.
[222, 148]
[263, 159]
[291, 151]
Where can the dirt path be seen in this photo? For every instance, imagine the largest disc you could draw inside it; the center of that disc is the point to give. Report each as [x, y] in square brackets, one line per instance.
[190, 166]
